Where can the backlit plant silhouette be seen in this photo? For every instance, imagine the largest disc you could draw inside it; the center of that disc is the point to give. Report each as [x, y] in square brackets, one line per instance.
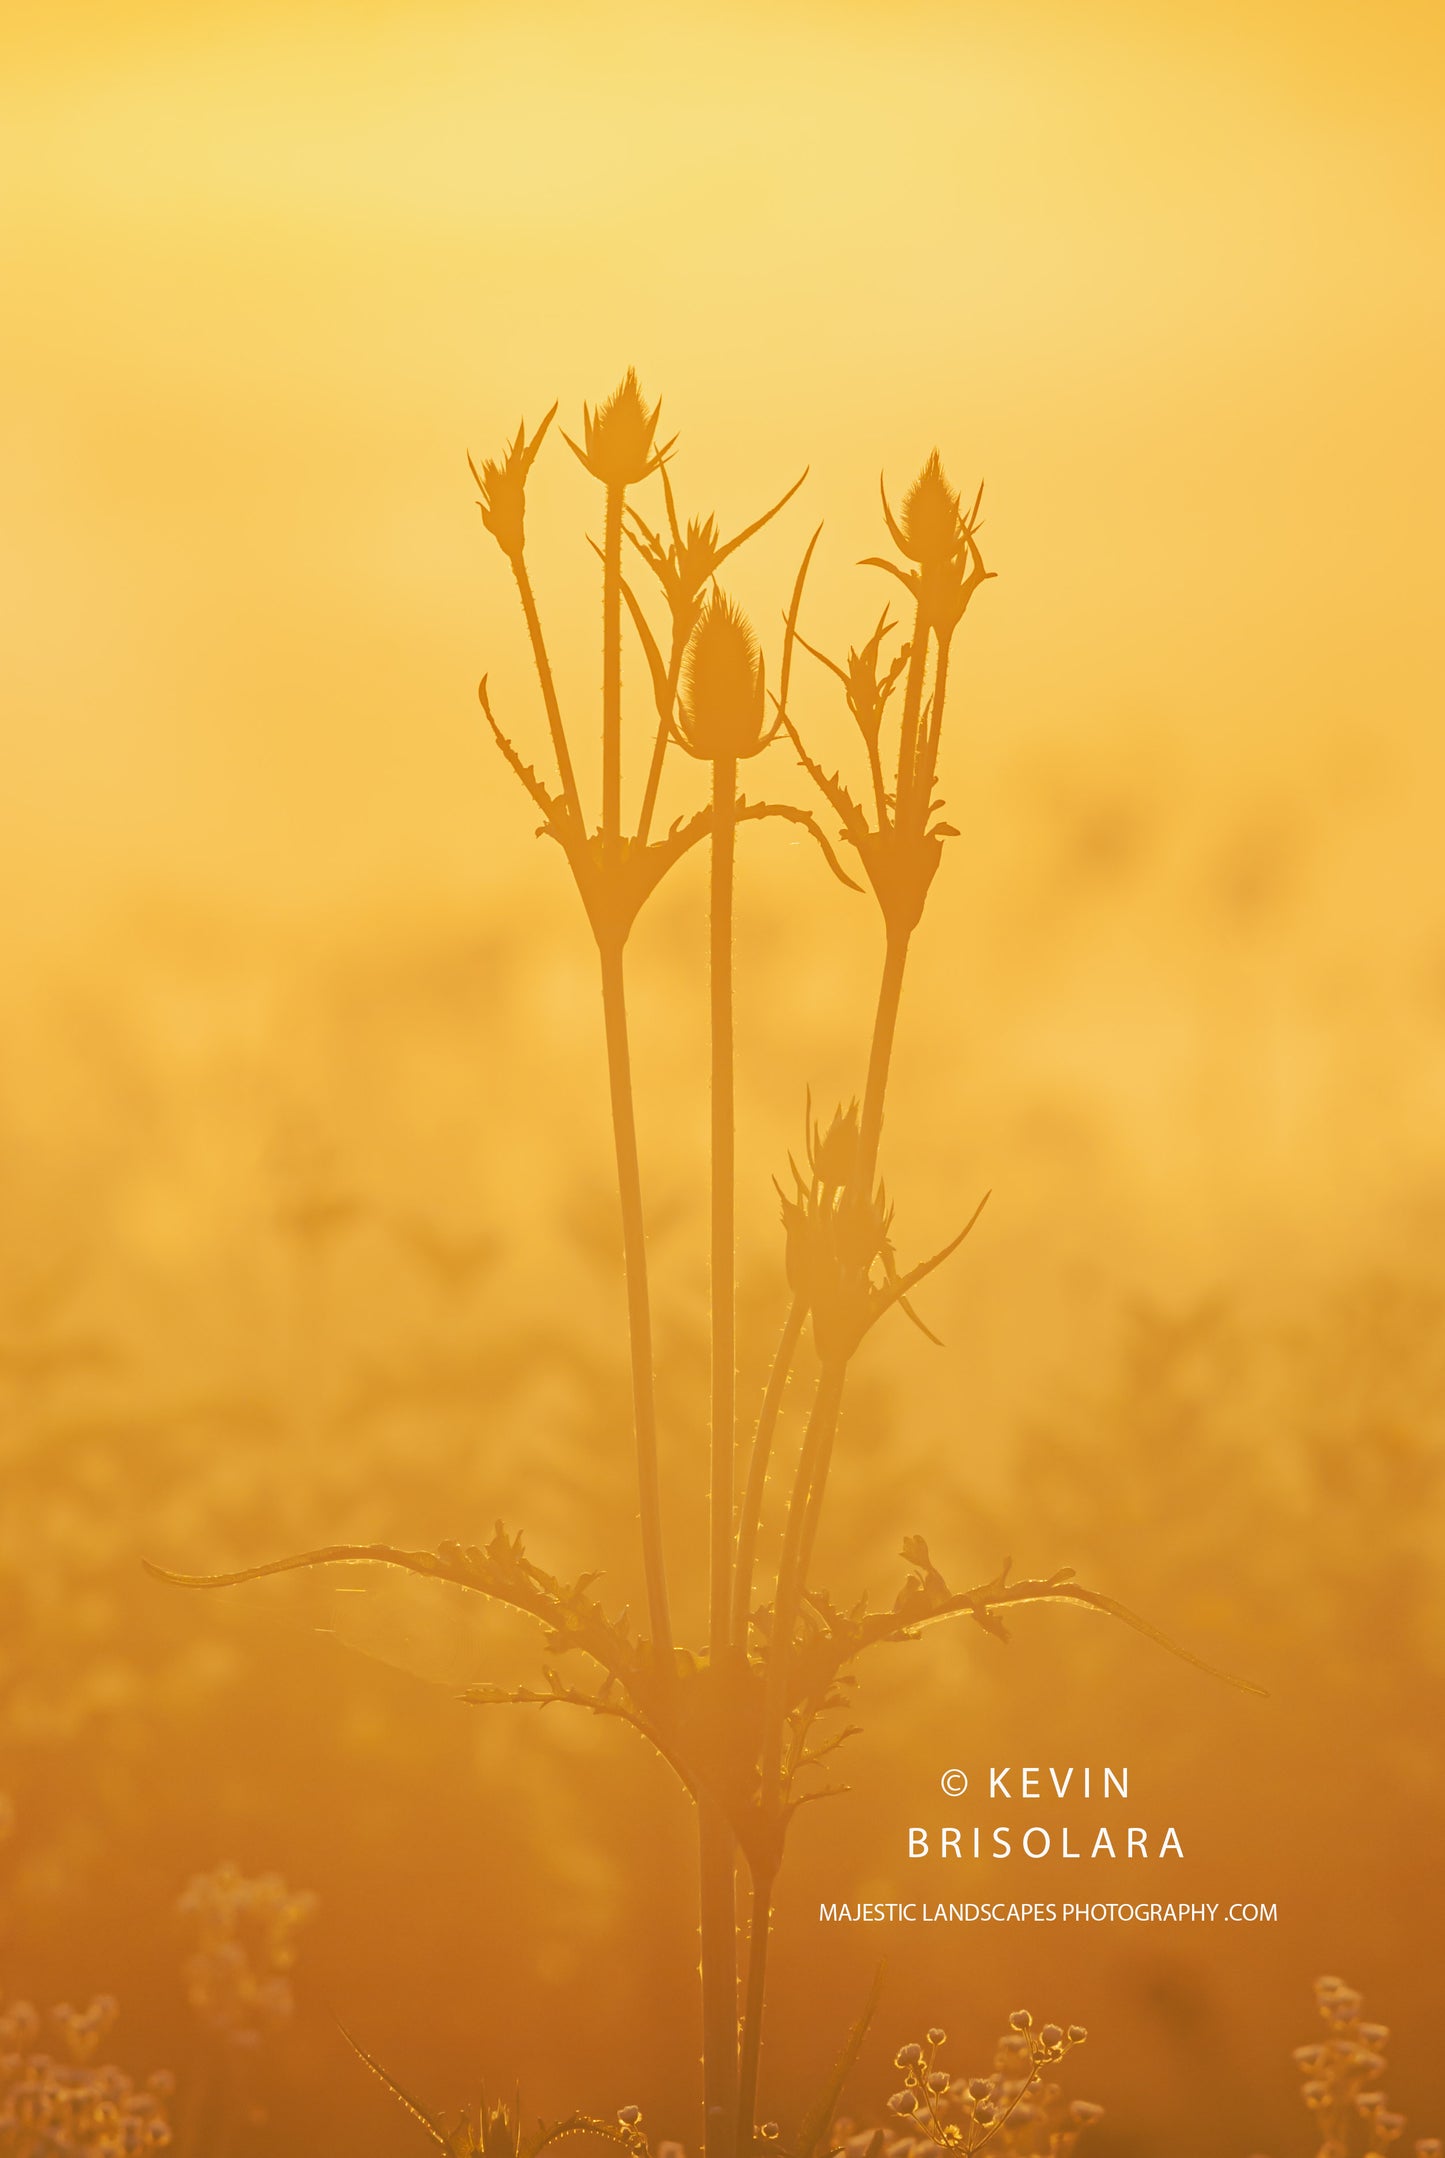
[749, 1718]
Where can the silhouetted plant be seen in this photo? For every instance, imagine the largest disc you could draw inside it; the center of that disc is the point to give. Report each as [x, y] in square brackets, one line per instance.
[739, 1718]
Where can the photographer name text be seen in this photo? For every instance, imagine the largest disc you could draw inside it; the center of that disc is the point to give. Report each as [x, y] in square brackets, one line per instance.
[1028, 1786]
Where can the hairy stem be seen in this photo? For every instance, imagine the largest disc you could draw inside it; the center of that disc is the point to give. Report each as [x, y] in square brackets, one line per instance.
[724, 1234]
[639, 1306]
[612, 664]
[935, 725]
[549, 687]
[912, 715]
[660, 740]
[880, 1057]
[817, 1444]
[821, 1424]
[715, 1838]
[717, 1871]
[750, 1517]
[760, 1916]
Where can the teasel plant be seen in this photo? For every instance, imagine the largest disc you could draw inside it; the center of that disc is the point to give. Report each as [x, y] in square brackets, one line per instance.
[749, 1719]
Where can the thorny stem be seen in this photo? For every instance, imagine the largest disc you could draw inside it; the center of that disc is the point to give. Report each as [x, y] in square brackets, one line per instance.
[717, 1856]
[760, 1917]
[940, 691]
[880, 791]
[817, 1443]
[751, 1514]
[912, 711]
[775, 1716]
[639, 1308]
[659, 747]
[724, 1318]
[716, 1844]
[880, 1057]
[612, 664]
[549, 687]
[806, 1504]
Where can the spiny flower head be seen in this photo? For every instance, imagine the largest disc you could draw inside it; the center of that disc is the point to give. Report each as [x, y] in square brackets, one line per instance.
[723, 704]
[832, 1157]
[617, 438]
[504, 488]
[932, 520]
[934, 533]
[691, 554]
[499, 2128]
[866, 689]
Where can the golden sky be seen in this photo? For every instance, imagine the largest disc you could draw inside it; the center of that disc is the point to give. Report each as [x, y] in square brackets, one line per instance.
[1167, 277]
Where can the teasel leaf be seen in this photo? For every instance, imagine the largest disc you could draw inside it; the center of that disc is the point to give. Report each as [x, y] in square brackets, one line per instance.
[823, 659]
[656, 666]
[814, 2126]
[403, 2098]
[899, 1284]
[912, 1316]
[984, 1603]
[576, 2124]
[731, 546]
[1030, 1592]
[753, 812]
[905, 577]
[850, 812]
[790, 628]
[501, 1571]
[894, 530]
[552, 806]
[826, 1790]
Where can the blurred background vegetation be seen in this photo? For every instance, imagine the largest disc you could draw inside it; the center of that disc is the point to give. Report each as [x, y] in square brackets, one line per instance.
[307, 1229]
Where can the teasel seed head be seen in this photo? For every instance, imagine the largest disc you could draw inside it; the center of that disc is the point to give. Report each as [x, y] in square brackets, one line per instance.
[723, 702]
[931, 524]
[833, 1157]
[618, 437]
[504, 488]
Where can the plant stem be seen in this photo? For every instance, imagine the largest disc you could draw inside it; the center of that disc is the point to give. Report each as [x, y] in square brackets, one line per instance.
[612, 664]
[751, 1514]
[639, 1307]
[660, 741]
[760, 1920]
[724, 1317]
[718, 1878]
[912, 712]
[880, 1057]
[940, 692]
[817, 1443]
[549, 687]
[715, 1838]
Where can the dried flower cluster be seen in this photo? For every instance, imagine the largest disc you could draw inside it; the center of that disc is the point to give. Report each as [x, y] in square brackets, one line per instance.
[1016, 2107]
[244, 1943]
[1343, 2080]
[52, 2105]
